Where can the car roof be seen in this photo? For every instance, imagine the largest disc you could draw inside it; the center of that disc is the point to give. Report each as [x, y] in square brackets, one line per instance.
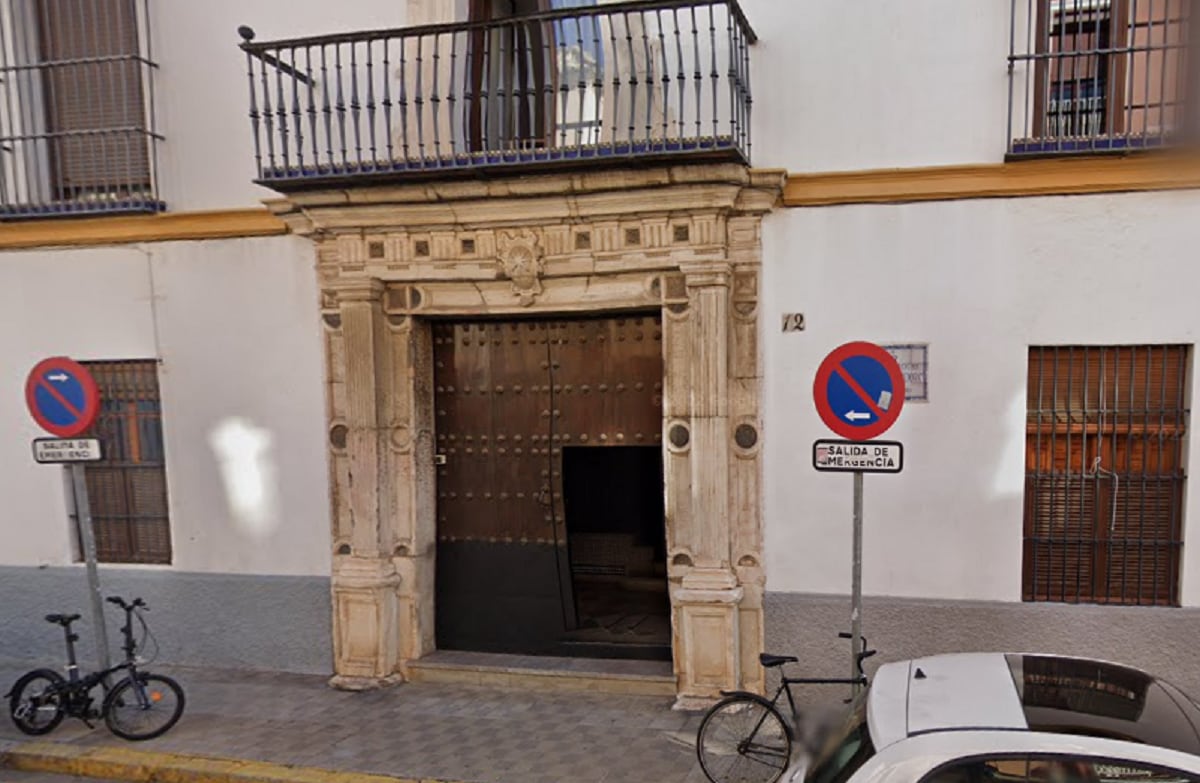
[943, 692]
[915, 758]
[1029, 692]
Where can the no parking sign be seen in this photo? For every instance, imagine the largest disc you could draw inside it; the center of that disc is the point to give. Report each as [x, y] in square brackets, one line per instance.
[63, 399]
[62, 396]
[859, 391]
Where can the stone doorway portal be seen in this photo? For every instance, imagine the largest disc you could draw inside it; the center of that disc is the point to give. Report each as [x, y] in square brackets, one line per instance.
[682, 243]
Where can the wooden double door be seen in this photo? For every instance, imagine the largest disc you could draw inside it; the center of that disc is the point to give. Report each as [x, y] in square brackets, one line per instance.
[512, 397]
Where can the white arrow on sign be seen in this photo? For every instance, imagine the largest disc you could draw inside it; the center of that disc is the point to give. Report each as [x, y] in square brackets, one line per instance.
[856, 416]
[62, 377]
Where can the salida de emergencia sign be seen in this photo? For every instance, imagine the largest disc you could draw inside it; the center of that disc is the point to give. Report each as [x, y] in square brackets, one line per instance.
[876, 456]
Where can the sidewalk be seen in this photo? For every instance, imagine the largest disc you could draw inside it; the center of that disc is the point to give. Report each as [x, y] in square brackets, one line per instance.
[415, 730]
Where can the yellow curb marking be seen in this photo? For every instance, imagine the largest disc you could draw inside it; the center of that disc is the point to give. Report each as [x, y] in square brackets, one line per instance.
[140, 766]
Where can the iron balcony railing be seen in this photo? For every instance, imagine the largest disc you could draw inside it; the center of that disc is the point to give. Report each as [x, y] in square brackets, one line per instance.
[1089, 76]
[581, 86]
[77, 128]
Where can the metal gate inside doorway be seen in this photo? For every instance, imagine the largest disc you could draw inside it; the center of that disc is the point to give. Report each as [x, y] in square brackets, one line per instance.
[549, 487]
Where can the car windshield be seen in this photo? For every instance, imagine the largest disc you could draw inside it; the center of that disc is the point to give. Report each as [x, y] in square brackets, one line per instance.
[847, 750]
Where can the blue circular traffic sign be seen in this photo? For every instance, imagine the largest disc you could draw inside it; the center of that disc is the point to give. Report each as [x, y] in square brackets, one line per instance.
[62, 396]
[859, 391]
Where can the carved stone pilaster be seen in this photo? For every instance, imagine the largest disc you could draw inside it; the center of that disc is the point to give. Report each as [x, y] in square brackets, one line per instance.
[365, 581]
[707, 637]
[411, 514]
[366, 360]
[708, 411]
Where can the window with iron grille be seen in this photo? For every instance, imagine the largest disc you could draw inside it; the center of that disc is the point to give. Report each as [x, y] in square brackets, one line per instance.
[1104, 476]
[127, 490]
[77, 132]
[1094, 75]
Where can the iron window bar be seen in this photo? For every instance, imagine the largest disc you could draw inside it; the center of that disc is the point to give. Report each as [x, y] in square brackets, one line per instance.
[580, 86]
[128, 488]
[78, 134]
[1105, 476]
[1135, 53]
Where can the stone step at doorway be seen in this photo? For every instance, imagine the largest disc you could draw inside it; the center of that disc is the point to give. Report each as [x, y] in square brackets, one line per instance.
[545, 673]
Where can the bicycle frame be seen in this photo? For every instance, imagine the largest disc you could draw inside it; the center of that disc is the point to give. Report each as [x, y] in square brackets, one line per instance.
[786, 683]
[136, 705]
[772, 751]
[77, 701]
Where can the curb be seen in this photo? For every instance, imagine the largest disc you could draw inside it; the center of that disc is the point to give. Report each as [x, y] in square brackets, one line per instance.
[139, 766]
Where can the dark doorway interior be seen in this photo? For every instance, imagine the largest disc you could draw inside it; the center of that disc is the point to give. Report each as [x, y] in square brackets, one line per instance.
[512, 398]
[616, 538]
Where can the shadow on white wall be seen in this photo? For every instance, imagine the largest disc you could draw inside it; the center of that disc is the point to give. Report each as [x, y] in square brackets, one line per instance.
[244, 455]
[1010, 472]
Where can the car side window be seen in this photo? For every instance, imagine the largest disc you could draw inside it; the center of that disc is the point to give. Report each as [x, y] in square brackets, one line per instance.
[980, 771]
[1054, 769]
[1061, 769]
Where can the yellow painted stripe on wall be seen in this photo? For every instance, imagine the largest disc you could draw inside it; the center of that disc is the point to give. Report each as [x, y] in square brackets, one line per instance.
[121, 229]
[1046, 177]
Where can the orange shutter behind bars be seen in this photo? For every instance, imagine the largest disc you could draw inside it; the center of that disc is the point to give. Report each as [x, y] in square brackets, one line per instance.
[127, 491]
[1104, 478]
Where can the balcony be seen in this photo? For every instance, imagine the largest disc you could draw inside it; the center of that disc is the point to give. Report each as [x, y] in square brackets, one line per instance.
[1095, 76]
[608, 85]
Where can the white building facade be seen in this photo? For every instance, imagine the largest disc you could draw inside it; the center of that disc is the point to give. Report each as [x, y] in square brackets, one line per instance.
[907, 176]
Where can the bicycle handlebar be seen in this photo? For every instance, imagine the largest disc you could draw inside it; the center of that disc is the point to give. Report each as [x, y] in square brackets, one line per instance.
[137, 603]
[862, 656]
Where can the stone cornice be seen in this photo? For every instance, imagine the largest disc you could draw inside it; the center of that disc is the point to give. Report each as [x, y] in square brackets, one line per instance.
[727, 188]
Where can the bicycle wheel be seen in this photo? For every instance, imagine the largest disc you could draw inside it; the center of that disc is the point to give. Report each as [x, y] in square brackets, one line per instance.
[743, 739]
[36, 701]
[143, 707]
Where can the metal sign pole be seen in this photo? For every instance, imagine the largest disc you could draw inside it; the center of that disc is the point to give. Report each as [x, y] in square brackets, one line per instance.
[856, 581]
[83, 517]
[859, 393]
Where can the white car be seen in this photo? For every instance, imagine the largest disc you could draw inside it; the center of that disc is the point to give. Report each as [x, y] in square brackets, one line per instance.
[1011, 718]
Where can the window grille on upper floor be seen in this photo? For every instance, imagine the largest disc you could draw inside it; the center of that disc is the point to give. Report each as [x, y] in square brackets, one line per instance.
[1090, 76]
[77, 131]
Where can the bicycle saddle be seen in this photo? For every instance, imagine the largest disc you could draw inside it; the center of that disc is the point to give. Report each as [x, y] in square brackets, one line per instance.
[62, 619]
[769, 661]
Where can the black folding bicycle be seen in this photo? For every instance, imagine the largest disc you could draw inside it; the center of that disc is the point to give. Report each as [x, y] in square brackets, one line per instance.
[139, 707]
[744, 738]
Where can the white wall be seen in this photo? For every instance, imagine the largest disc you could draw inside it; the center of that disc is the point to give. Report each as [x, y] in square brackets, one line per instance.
[980, 281]
[235, 325]
[878, 83]
[202, 92]
[837, 86]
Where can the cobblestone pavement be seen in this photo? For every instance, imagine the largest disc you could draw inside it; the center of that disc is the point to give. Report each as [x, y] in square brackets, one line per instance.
[418, 730]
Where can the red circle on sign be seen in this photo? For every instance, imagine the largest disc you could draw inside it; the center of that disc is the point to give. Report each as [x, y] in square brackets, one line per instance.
[86, 415]
[884, 419]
